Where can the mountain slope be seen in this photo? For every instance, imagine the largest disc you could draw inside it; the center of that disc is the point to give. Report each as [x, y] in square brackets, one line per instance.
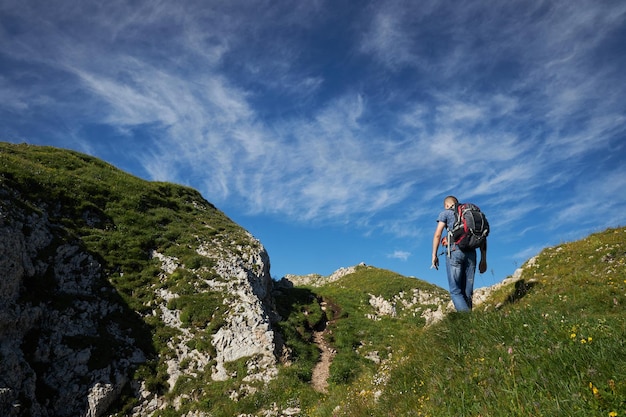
[549, 341]
[126, 297]
[105, 274]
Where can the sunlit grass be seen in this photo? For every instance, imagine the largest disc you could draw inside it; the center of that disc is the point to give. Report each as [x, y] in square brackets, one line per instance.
[558, 350]
[551, 344]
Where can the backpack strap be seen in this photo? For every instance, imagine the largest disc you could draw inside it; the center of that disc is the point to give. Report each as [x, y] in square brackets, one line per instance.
[455, 209]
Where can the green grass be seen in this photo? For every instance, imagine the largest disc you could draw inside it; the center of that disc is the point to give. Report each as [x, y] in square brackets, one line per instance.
[120, 219]
[551, 344]
[557, 350]
[353, 328]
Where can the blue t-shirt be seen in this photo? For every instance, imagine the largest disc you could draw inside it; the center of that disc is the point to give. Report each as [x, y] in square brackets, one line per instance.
[447, 217]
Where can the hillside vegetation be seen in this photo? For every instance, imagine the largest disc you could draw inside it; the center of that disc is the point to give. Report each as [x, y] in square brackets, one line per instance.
[131, 228]
[549, 343]
[555, 347]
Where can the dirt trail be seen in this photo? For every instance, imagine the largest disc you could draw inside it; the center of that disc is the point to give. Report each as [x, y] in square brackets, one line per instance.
[321, 371]
[322, 368]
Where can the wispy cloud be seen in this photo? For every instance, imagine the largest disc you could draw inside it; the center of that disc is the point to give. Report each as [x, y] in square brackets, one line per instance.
[399, 254]
[498, 105]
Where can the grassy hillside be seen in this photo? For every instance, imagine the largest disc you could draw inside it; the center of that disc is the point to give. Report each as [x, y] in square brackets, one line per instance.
[556, 345]
[119, 217]
[551, 344]
[121, 220]
[364, 341]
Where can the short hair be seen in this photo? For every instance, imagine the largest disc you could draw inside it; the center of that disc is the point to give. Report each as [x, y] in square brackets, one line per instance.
[450, 198]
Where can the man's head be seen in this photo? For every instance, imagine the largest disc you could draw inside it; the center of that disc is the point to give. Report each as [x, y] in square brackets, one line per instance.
[449, 202]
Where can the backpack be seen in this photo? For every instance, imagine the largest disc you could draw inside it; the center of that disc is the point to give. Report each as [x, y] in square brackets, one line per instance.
[471, 227]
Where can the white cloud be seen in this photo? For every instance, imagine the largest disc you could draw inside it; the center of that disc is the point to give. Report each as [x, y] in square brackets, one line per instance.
[387, 40]
[596, 200]
[399, 254]
[488, 116]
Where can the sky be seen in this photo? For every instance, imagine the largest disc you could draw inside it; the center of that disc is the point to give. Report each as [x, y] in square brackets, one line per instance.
[333, 130]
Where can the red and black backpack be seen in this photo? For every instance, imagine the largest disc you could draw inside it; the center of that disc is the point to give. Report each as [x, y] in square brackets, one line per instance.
[471, 227]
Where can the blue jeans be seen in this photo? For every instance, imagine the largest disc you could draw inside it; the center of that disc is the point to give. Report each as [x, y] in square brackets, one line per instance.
[461, 267]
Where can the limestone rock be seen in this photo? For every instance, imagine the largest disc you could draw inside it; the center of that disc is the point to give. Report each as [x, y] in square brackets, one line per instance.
[61, 352]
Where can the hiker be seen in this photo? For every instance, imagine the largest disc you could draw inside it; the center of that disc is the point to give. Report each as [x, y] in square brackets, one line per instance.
[460, 264]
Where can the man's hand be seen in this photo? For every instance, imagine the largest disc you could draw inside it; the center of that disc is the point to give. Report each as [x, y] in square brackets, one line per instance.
[436, 239]
[435, 263]
[482, 267]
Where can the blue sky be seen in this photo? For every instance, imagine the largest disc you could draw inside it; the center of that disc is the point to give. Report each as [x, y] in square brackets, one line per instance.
[332, 130]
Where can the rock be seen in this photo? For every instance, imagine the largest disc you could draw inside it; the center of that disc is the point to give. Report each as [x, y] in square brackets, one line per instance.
[316, 280]
[69, 343]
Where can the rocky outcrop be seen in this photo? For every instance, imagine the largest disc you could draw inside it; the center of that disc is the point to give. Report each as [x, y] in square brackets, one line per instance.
[69, 343]
[481, 295]
[247, 332]
[316, 280]
[63, 350]
[244, 280]
[417, 303]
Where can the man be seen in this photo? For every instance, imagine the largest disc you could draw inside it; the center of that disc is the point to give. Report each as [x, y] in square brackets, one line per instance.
[460, 265]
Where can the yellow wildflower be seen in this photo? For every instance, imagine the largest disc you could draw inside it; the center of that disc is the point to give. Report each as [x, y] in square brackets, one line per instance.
[596, 392]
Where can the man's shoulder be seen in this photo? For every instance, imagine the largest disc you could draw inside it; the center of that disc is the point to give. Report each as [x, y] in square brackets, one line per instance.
[446, 216]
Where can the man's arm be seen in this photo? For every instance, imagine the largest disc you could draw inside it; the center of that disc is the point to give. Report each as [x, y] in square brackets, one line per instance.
[482, 267]
[436, 240]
